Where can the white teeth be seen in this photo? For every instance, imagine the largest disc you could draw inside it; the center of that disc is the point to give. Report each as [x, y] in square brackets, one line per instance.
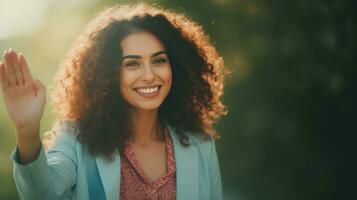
[148, 90]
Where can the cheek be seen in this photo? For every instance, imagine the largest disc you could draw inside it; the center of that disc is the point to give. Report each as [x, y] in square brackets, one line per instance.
[125, 81]
[167, 75]
[127, 77]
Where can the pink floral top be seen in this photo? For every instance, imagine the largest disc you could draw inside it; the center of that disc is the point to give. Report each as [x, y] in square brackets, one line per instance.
[135, 184]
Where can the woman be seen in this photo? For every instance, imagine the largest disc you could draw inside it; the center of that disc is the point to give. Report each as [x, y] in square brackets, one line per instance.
[136, 99]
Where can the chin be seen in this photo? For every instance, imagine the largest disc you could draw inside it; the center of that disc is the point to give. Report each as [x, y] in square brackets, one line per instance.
[147, 106]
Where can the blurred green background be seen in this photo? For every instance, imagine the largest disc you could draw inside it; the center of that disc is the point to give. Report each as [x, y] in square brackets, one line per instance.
[291, 95]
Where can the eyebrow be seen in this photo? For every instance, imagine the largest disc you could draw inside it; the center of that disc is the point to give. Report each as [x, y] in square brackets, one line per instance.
[138, 56]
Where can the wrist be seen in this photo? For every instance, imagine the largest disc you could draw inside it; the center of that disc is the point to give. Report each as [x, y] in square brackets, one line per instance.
[28, 133]
[27, 127]
[28, 150]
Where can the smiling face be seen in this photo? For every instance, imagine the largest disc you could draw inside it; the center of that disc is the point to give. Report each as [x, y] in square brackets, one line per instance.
[145, 71]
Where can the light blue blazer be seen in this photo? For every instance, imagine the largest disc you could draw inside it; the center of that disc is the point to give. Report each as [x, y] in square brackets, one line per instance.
[68, 171]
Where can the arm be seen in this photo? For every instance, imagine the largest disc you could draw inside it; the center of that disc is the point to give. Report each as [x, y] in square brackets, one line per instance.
[51, 175]
[24, 99]
[36, 176]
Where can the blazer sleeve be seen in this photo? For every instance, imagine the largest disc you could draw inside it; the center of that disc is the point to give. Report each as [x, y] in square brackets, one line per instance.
[53, 174]
[215, 174]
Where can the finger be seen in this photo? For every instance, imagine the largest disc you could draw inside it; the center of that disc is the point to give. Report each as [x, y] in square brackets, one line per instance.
[26, 74]
[8, 69]
[3, 78]
[39, 87]
[16, 68]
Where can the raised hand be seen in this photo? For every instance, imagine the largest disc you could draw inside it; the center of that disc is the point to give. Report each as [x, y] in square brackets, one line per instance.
[24, 96]
[24, 99]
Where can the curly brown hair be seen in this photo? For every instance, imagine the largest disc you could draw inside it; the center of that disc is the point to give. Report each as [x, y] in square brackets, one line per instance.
[86, 87]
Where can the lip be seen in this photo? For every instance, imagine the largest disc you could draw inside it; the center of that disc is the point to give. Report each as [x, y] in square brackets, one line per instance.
[148, 95]
[151, 86]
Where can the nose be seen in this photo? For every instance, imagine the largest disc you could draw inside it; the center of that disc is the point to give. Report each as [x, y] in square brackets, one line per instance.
[148, 73]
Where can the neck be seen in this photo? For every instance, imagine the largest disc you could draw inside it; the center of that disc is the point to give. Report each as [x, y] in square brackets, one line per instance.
[145, 127]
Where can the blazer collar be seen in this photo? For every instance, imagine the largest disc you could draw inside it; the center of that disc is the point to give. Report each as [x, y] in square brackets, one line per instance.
[186, 160]
[109, 172]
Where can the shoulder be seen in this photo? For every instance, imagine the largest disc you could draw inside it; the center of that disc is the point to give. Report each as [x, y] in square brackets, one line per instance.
[63, 133]
[206, 143]
[66, 127]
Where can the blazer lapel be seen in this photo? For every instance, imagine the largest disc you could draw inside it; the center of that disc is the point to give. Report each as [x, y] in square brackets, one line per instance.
[186, 159]
[110, 175]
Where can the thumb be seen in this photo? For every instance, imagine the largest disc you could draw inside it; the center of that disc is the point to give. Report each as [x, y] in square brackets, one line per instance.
[39, 86]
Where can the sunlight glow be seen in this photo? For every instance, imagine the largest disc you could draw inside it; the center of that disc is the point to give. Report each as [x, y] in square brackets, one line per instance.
[20, 17]
[23, 17]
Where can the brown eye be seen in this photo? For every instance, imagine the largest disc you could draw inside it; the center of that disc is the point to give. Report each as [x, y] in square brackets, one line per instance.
[131, 64]
[160, 60]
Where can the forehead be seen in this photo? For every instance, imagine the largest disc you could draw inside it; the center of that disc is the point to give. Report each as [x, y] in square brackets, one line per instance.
[141, 43]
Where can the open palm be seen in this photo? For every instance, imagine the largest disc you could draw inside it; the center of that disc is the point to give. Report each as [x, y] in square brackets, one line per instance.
[24, 96]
